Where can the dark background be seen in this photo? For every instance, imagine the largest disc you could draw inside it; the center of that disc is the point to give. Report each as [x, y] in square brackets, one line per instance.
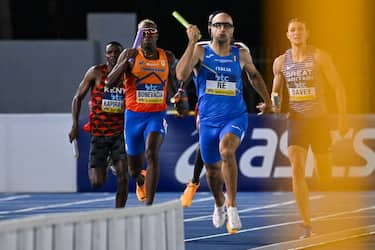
[66, 19]
[258, 23]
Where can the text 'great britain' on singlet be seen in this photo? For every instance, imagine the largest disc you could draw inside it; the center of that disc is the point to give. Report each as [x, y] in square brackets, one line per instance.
[305, 86]
[219, 87]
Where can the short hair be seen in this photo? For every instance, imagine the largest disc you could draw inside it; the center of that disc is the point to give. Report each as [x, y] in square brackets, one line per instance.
[213, 14]
[211, 17]
[297, 19]
[149, 21]
[114, 43]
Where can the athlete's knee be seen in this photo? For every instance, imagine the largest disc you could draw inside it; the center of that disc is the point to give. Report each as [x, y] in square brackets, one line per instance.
[227, 154]
[298, 171]
[97, 177]
[96, 182]
[213, 172]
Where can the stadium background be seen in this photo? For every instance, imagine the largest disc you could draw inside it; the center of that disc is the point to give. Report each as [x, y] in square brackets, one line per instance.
[343, 28]
[45, 49]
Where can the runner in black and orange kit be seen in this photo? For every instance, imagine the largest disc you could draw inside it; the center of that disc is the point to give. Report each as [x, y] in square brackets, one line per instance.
[147, 72]
[106, 123]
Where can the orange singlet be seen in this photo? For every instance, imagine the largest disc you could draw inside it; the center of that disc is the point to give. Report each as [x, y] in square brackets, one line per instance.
[146, 85]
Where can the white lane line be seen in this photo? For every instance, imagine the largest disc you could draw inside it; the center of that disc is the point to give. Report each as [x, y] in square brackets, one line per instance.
[11, 198]
[282, 224]
[57, 205]
[256, 208]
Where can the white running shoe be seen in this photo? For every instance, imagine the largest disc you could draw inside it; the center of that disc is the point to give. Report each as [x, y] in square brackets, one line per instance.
[234, 221]
[218, 217]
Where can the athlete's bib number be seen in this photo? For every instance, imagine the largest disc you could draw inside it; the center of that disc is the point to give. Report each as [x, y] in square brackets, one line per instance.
[112, 106]
[153, 97]
[302, 94]
[220, 88]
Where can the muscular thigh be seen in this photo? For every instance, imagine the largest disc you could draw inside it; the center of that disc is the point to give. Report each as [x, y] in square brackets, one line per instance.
[237, 127]
[134, 129]
[99, 150]
[156, 123]
[209, 143]
[309, 131]
[117, 147]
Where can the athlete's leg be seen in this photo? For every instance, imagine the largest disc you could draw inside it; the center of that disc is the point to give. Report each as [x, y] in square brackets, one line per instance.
[153, 143]
[121, 167]
[99, 151]
[297, 157]
[135, 163]
[228, 146]
[198, 165]
[97, 176]
[118, 157]
[323, 166]
[215, 182]
[193, 185]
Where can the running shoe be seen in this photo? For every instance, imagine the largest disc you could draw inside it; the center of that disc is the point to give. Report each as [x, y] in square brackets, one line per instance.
[188, 195]
[234, 221]
[218, 217]
[141, 190]
[306, 231]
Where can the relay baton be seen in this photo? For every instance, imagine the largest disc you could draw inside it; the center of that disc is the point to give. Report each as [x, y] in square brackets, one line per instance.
[137, 41]
[182, 20]
[75, 149]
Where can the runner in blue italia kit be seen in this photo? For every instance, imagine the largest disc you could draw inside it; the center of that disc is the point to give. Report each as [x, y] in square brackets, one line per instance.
[304, 70]
[223, 116]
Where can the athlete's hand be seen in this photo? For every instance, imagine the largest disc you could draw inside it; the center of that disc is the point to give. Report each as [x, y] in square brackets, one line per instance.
[130, 54]
[264, 108]
[181, 102]
[193, 33]
[73, 134]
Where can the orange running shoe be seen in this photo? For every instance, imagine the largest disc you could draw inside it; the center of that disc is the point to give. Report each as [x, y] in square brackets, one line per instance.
[188, 195]
[141, 190]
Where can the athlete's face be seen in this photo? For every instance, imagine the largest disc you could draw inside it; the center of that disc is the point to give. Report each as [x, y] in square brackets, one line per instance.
[222, 27]
[112, 52]
[297, 33]
[150, 35]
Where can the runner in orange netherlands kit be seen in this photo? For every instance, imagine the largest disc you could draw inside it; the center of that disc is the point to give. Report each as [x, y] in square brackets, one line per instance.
[147, 75]
[106, 123]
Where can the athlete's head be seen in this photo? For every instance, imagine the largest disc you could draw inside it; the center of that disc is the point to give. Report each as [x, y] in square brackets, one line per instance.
[297, 31]
[150, 32]
[112, 51]
[220, 26]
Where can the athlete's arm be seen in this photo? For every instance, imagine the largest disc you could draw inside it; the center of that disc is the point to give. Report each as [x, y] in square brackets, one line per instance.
[191, 56]
[122, 65]
[172, 81]
[278, 82]
[330, 73]
[87, 82]
[255, 78]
